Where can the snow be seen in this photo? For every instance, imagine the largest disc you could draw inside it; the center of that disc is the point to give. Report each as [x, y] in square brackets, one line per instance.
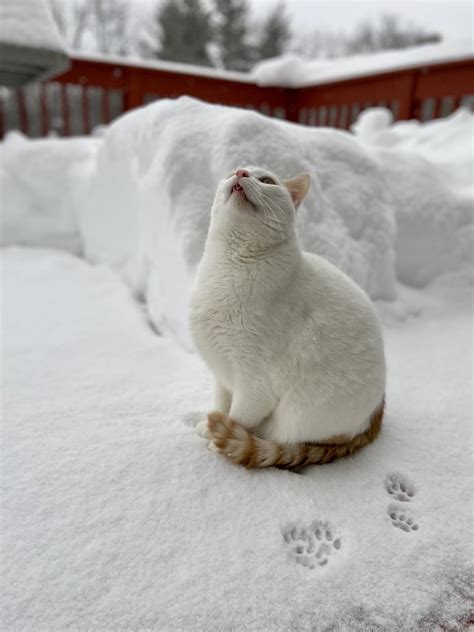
[161, 214]
[391, 202]
[40, 182]
[29, 23]
[167, 66]
[115, 515]
[292, 71]
[430, 164]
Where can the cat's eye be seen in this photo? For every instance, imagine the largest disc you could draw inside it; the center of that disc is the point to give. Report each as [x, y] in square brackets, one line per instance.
[267, 180]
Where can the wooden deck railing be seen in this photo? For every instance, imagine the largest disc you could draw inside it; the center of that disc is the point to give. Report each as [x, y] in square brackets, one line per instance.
[94, 92]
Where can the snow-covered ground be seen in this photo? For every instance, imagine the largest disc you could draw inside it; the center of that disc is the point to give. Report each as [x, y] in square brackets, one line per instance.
[115, 515]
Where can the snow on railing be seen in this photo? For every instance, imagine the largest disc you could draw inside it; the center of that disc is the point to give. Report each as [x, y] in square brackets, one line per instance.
[94, 91]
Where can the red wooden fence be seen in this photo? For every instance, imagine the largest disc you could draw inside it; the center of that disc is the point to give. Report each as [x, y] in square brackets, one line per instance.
[94, 92]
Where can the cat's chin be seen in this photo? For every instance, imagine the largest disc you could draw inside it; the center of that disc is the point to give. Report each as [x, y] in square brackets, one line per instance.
[240, 201]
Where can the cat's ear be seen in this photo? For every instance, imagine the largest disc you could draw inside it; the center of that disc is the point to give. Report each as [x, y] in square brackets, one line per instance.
[298, 187]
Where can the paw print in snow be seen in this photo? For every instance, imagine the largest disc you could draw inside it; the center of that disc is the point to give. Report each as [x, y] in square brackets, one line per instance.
[314, 545]
[402, 518]
[399, 488]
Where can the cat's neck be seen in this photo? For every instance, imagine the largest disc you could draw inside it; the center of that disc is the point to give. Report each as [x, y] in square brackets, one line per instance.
[234, 247]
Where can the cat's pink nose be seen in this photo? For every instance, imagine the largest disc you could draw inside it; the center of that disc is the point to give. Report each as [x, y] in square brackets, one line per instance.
[241, 173]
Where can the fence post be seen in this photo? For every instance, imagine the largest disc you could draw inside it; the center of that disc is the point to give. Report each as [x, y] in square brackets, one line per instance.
[414, 105]
[133, 94]
[66, 127]
[22, 112]
[291, 105]
[44, 114]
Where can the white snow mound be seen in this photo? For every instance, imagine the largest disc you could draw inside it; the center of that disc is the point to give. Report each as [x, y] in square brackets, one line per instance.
[291, 71]
[391, 201]
[431, 167]
[41, 184]
[161, 164]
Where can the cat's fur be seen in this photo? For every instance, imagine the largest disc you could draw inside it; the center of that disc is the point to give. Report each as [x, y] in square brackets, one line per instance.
[294, 345]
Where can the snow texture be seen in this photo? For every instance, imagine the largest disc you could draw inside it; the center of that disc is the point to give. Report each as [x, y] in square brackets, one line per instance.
[163, 198]
[41, 184]
[116, 517]
[29, 23]
[292, 71]
[431, 170]
[391, 201]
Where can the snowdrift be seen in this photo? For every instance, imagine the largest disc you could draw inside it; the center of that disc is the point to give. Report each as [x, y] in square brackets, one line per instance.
[430, 169]
[162, 198]
[391, 201]
[41, 184]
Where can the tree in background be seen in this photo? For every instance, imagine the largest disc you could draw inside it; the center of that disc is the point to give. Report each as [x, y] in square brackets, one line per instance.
[388, 34]
[98, 25]
[185, 32]
[275, 33]
[216, 32]
[188, 34]
[231, 34]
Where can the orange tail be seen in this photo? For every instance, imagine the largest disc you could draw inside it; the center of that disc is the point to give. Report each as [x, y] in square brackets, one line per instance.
[243, 448]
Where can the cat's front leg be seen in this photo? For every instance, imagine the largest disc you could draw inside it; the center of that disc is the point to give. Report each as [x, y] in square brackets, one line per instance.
[251, 404]
[222, 403]
[222, 399]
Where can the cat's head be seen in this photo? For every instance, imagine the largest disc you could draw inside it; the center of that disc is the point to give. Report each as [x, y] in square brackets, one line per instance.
[254, 203]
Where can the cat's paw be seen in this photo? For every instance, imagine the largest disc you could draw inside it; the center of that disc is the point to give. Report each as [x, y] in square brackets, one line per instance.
[203, 430]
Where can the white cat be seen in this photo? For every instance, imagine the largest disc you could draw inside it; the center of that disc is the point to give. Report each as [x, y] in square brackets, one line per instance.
[294, 345]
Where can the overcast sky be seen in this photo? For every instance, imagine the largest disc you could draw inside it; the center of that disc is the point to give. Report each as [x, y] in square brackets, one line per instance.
[451, 18]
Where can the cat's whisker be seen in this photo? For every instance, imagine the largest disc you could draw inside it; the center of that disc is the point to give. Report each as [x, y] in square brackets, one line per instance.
[266, 206]
[277, 206]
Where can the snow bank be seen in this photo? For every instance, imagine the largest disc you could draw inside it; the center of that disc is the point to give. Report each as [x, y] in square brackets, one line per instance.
[29, 23]
[157, 171]
[41, 183]
[392, 201]
[292, 71]
[431, 167]
[116, 517]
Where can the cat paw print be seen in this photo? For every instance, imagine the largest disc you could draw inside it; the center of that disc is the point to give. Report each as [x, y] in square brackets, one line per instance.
[312, 546]
[399, 488]
[402, 518]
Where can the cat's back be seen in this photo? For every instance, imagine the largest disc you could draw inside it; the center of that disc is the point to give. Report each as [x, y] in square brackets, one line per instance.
[332, 288]
[335, 318]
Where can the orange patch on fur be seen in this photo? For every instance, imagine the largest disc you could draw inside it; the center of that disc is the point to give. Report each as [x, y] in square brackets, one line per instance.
[244, 448]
